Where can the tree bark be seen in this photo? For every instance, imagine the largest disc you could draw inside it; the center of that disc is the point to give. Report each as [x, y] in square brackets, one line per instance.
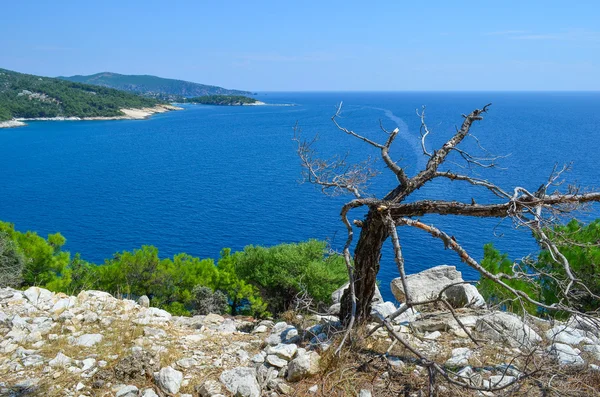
[367, 256]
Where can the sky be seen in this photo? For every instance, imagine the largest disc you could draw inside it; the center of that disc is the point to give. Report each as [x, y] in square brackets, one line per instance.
[310, 45]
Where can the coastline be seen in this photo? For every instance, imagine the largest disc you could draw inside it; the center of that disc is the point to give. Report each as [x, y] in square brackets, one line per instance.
[128, 114]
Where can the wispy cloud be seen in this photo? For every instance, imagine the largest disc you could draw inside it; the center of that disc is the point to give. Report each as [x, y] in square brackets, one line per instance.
[52, 48]
[505, 33]
[566, 35]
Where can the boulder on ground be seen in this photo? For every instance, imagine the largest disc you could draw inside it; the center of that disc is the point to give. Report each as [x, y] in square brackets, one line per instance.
[303, 366]
[508, 328]
[464, 295]
[169, 380]
[143, 301]
[566, 355]
[426, 284]
[241, 381]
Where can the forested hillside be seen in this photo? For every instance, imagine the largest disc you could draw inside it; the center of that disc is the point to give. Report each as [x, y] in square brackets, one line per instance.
[222, 100]
[153, 86]
[29, 96]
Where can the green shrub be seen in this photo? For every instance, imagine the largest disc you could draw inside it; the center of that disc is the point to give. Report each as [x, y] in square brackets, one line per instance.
[286, 270]
[12, 262]
[45, 262]
[208, 301]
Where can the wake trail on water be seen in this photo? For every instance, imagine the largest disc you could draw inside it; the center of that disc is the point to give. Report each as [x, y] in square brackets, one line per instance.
[412, 140]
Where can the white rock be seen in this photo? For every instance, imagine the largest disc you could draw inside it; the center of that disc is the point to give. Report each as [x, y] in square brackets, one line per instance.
[313, 389]
[143, 301]
[241, 381]
[303, 366]
[127, 391]
[38, 296]
[566, 355]
[433, 335]
[169, 380]
[276, 361]
[464, 295]
[260, 329]
[364, 393]
[460, 357]
[149, 393]
[508, 328]
[568, 335]
[501, 380]
[285, 351]
[81, 386]
[380, 311]
[88, 340]
[426, 284]
[88, 363]
[210, 388]
[63, 304]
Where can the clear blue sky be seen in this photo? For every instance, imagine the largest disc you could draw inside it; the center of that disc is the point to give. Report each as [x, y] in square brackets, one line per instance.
[313, 45]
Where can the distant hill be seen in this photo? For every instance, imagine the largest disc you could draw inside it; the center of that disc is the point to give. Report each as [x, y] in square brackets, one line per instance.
[29, 96]
[152, 86]
[223, 100]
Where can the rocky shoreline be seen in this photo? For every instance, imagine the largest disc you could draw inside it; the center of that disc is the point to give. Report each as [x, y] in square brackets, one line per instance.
[94, 344]
[128, 114]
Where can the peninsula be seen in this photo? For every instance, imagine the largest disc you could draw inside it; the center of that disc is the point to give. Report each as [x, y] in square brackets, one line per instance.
[28, 97]
[170, 90]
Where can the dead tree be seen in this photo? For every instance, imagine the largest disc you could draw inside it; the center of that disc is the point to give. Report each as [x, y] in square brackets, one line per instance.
[535, 211]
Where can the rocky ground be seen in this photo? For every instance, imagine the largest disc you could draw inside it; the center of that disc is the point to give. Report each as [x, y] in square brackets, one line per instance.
[96, 345]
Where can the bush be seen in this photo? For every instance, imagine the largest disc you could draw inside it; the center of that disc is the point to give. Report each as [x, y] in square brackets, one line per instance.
[44, 260]
[206, 301]
[579, 243]
[286, 270]
[12, 262]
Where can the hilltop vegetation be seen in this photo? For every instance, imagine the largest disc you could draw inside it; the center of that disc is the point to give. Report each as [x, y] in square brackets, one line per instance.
[222, 100]
[153, 86]
[29, 96]
[254, 281]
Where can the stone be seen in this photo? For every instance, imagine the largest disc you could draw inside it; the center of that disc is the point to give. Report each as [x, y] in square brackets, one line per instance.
[508, 328]
[276, 361]
[227, 327]
[258, 358]
[60, 360]
[135, 367]
[38, 296]
[127, 391]
[501, 380]
[143, 301]
[209, 388]
[565, 355]
[379, 311]
[80, 386]
[149, 393]
[303, 366]
[460, 357]
[364, 393]
[433, 335]
[87, 364]
[63, 304]
[169, 380]
[426, 284]
[187, 363]
[260, 329]
[88, 340]
[593, 350]
[313, 389]
[285, 351]
[336, 296]
[568, 335]
[464, 295]
[241, 381]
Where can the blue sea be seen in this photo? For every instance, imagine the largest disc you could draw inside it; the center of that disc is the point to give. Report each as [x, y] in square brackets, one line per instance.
[206, 178]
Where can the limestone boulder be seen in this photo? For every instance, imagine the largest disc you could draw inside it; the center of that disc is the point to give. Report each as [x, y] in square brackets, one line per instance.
[241, 381]
[426, 284]
[508, 328]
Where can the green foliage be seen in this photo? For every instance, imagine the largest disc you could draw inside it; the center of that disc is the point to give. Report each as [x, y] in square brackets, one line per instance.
[208, 301]
[222, 100]
[284, 271]
[12, 262]
[579, 243]
[152, 86]
[45, 262]
[496, 263]
[28, 96]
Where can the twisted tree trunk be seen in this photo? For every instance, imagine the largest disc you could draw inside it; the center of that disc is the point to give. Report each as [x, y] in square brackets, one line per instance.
[367, 256]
